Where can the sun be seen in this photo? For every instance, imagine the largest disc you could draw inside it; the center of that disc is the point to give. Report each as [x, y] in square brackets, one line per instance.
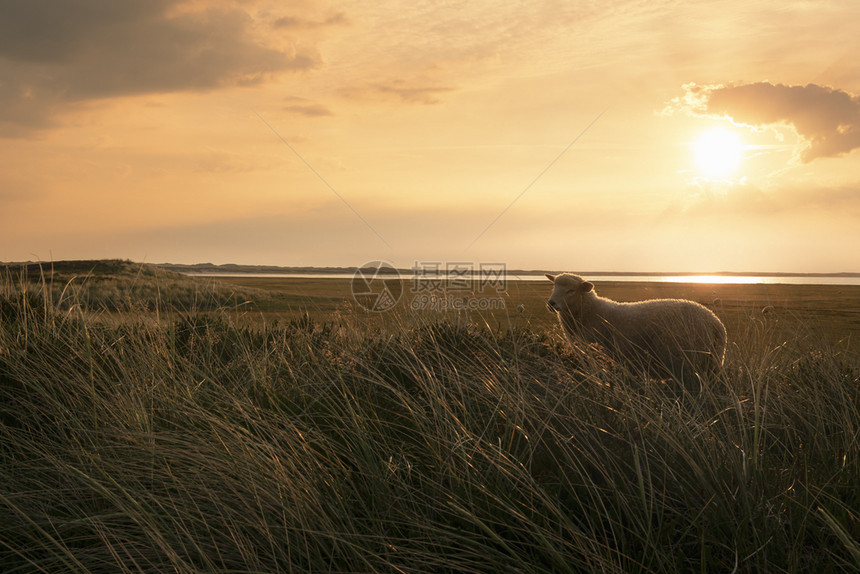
[718, 153]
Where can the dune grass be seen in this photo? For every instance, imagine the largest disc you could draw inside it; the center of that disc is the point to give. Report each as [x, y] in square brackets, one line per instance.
[199, 443]
[125, 286]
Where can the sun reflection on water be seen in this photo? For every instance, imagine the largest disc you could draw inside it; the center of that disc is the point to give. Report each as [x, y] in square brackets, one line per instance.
[744, 279]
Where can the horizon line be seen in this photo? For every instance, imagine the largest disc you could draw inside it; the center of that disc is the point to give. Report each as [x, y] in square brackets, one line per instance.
[268, 268]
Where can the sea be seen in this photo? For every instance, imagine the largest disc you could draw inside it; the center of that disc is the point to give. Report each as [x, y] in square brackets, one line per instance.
[711, 279]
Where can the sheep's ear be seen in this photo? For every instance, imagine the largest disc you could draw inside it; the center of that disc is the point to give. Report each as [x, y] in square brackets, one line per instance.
[586, 286]
[550, 277]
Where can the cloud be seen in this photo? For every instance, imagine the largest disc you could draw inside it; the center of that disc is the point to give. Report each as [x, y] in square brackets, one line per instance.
[291, 22]
[55, 55]
[725, 203]
[305, 107]
[413, 94]
[827, 118]
[398, 89]
[721, 201]
[310, 110]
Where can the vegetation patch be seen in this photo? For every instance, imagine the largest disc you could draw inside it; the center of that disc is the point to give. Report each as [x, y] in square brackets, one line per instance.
[115, 285]
[201, 443]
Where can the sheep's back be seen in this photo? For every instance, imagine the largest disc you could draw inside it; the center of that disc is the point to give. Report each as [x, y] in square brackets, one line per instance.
[667, 331]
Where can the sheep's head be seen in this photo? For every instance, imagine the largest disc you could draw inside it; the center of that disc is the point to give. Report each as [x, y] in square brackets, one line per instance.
[568, 293]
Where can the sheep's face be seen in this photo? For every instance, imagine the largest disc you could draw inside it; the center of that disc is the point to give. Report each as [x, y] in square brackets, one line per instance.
[568, 293]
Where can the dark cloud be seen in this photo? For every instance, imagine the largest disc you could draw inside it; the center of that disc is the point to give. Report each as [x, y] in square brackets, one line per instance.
[309, 110]
[406, 92]
[413, 94]
[827, 118]
[54, 54]
[305, 107]
[290, 22]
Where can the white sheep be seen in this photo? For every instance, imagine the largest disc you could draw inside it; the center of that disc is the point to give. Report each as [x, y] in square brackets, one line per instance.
[661, 336]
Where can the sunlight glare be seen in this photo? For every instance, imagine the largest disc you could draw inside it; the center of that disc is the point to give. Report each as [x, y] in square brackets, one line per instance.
[718, 153]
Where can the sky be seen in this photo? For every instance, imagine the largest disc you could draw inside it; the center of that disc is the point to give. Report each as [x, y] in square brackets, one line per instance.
[581, 136]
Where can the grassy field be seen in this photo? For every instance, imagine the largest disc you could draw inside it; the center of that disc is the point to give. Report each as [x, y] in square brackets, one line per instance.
[798, 313]
[277, 427]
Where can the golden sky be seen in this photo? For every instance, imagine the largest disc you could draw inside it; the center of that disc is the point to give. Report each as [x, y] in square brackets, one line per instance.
[613, 136]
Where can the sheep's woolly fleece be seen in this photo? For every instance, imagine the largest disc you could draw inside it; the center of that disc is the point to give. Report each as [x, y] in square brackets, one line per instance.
[661, 336]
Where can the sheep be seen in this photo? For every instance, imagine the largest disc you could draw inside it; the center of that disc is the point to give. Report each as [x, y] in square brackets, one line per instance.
[660, 337]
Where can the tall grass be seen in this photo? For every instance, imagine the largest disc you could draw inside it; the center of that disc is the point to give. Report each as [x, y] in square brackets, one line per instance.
[124, 286]
[200, 444]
